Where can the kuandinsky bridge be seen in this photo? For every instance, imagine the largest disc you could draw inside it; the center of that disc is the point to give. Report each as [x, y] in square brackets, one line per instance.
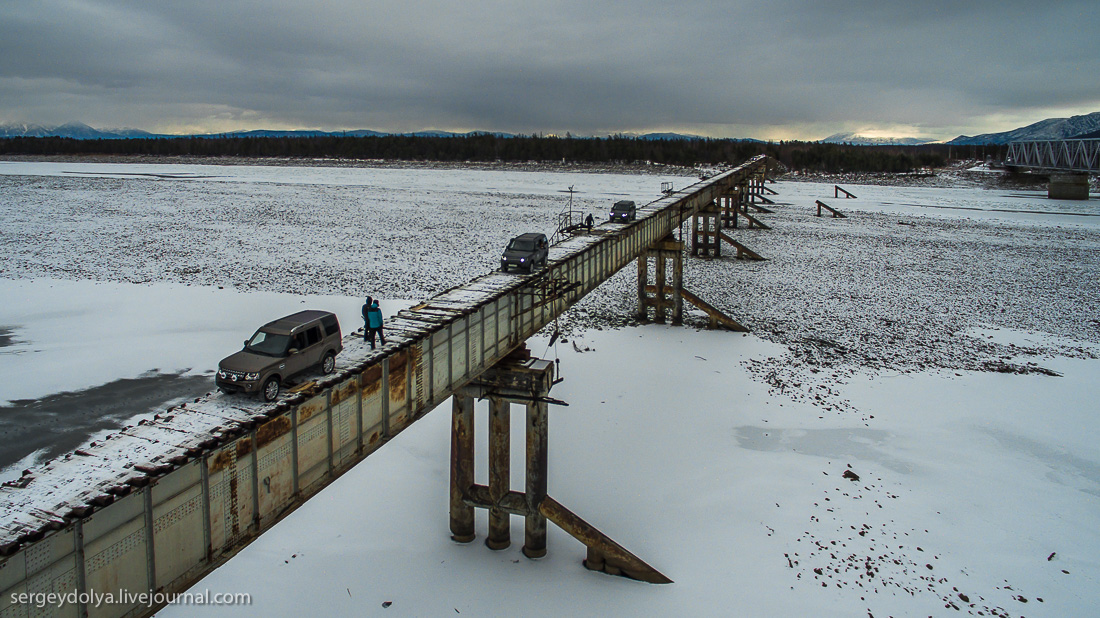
[1068, 161]
[159, 505]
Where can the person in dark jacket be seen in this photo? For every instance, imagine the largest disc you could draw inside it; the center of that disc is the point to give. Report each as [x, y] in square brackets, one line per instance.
[374, 324]
[366, 319]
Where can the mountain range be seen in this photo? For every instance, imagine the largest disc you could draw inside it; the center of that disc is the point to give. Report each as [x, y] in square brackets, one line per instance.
[860, 140]
[77, 130]
[1051, 128]
[1085, 126]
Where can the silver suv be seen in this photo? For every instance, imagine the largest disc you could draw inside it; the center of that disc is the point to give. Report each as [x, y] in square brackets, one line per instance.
[280, 350]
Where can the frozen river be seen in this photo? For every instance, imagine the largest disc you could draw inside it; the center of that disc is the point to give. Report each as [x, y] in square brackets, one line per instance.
[716, 457]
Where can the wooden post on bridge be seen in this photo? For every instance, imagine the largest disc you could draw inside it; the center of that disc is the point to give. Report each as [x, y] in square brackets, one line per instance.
[664, 296]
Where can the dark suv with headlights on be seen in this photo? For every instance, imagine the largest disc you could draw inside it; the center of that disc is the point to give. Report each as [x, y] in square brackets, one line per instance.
[280, 350]
[525, 252]
[623, 211]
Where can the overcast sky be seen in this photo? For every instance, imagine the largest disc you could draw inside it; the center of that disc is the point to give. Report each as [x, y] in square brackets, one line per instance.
[779, 69]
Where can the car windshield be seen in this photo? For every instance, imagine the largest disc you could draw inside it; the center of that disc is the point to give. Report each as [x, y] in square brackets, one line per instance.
[268, 344]
[620, 208]
[522, 244]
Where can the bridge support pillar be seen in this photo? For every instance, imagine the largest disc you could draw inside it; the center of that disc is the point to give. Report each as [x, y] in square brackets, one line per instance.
[462, 467]
[1068, 187]
[705, 227]
[523, 380]
[729, 205]
[534, 527]
[499, 472]
[662, 295]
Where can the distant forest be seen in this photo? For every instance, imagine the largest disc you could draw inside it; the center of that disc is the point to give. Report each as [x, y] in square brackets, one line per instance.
[804, 156]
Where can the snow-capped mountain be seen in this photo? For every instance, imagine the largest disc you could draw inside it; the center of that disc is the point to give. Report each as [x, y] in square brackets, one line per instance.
[1051, 128]
[75, 130]
[860, 140]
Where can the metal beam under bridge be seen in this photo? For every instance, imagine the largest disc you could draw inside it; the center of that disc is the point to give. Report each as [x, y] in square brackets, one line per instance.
[159, 505]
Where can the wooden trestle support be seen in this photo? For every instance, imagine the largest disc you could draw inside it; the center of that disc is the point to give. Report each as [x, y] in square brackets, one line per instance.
[662, 295]
[523, 380]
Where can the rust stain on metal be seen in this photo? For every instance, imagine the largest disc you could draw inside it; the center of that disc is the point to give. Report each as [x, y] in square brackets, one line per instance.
[372, 381]
[244, 447]
[234, 526]
[223, 460]
[343, 392]
[271, 430]
[373, 437]
[398, 362]
[308, 409]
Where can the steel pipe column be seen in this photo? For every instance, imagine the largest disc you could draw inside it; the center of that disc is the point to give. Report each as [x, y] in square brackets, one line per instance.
[534, 539]
[462, 467]
[499, 471]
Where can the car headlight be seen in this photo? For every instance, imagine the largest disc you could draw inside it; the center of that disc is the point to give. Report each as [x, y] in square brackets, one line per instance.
[523, 259]
[251, 376]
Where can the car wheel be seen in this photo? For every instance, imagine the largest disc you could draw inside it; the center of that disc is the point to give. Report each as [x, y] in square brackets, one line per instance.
[271, 389]
[328, 364]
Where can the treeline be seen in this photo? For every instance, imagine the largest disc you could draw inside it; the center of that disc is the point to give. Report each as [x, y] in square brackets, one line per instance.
[806, 156]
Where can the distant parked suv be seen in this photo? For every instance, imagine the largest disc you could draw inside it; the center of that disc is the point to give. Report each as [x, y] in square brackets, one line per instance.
[526, 251]
[280, 350]
[623, 211]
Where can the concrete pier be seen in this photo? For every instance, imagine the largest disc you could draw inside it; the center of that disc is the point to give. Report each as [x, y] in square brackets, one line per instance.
[1068, 187]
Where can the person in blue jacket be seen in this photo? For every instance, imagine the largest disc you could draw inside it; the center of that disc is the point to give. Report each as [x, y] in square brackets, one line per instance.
[374, 324]
[366, 319]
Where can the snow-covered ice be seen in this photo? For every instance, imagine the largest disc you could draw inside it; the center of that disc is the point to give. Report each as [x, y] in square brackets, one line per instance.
[672, 449]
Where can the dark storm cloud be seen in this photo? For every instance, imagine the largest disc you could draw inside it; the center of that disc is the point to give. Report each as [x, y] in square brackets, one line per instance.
[714, 67]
